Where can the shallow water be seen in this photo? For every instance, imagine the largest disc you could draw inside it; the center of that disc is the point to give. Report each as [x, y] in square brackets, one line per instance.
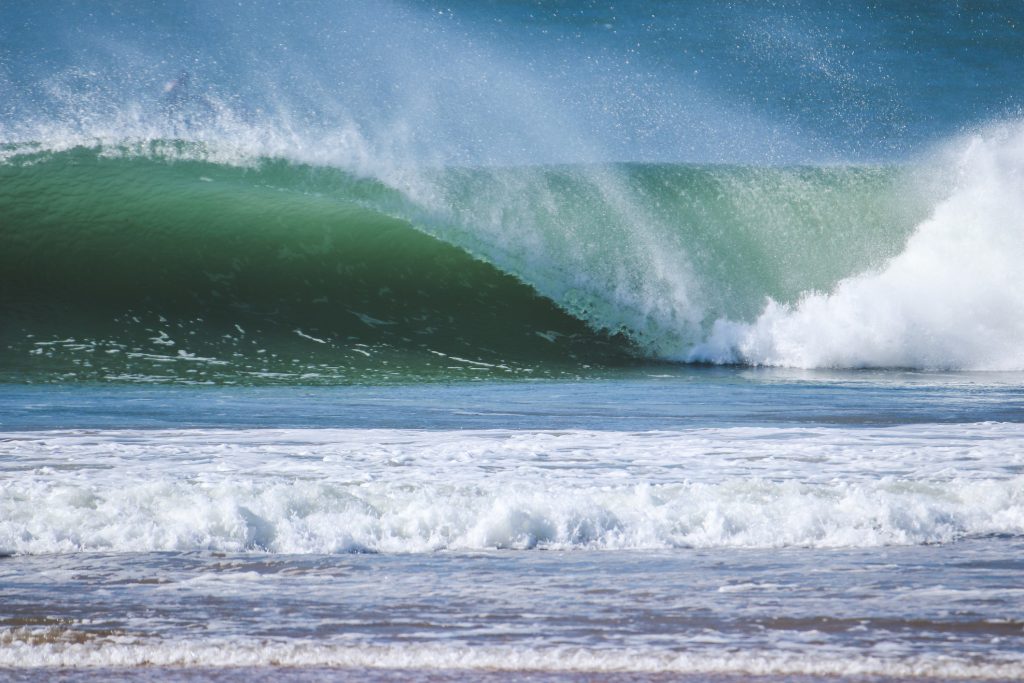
[716, 523]
[940, 611]
[656, 397]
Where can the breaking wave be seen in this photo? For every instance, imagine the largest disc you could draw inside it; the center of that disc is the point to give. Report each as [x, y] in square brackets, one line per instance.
[330, 491]
[190, 260]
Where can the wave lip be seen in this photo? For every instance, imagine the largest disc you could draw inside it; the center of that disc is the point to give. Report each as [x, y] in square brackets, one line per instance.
[330, 491]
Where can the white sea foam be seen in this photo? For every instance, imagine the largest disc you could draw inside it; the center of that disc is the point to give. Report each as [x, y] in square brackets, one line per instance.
[325, 491]
[23, 648]
[953, 299]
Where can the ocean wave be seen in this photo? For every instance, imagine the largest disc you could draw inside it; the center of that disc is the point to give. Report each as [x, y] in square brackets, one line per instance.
[144, 244]
[530, 267]
[27, 648]
[331, 491]
[952, 299]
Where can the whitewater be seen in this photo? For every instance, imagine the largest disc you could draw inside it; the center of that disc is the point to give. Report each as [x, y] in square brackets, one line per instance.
[336, 491]
[950, 299]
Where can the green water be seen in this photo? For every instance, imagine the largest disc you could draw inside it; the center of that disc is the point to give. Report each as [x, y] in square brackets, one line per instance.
[162, 262]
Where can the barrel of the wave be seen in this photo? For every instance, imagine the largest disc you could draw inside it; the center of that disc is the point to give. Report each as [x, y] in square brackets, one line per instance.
[159, 263]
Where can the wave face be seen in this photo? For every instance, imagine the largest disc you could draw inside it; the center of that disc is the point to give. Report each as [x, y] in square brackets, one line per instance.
[148, 268]
[172, 260]
[175, 260]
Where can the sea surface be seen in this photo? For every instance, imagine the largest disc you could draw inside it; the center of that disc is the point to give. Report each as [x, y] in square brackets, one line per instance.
[713, 522]
[575, 341]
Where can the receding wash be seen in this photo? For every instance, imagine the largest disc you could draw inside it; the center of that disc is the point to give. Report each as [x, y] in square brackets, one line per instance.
[493, 341]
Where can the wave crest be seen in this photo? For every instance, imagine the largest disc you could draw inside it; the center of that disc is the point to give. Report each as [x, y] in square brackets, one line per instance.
[953, 299]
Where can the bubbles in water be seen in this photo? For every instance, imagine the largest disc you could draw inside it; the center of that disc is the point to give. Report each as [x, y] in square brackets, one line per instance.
[953, 299]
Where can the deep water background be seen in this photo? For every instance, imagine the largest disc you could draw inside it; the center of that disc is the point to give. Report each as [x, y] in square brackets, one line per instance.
[527, 82]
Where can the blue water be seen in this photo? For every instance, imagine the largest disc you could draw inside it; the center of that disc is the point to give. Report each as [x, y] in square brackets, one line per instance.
[715, 522]
[524, 82]
[664, 398]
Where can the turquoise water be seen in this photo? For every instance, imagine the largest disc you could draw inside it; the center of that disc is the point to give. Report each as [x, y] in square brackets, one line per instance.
[146, 267]
[511, 341]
